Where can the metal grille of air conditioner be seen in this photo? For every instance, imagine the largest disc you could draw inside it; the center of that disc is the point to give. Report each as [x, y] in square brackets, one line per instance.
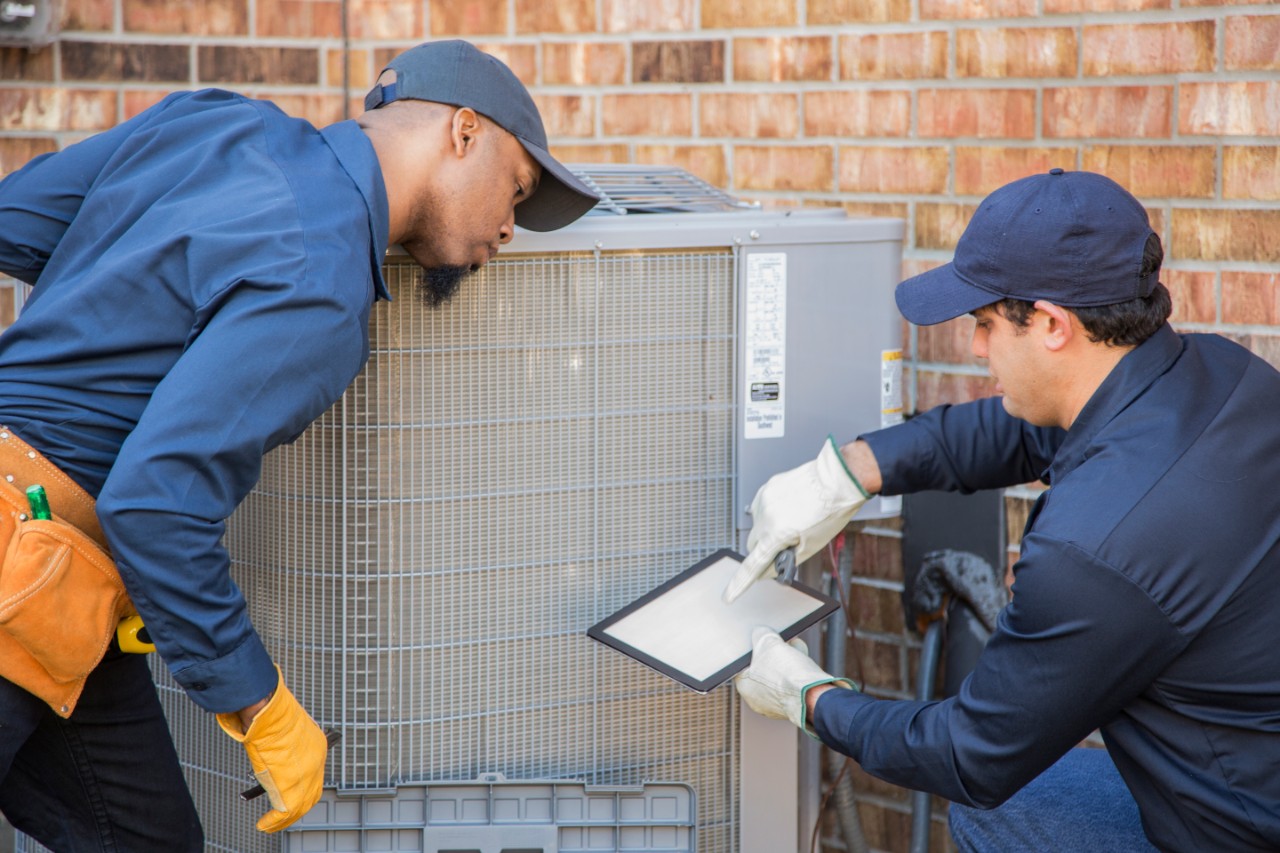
[629, 188]
[423, 562]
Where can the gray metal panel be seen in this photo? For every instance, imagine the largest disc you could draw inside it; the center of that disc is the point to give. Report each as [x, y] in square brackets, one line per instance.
[840, 316]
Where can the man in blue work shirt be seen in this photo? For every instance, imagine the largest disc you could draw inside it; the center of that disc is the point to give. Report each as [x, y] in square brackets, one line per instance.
[203, 276]
[1149, 574]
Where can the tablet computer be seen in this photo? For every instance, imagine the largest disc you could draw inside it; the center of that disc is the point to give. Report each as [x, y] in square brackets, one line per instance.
[684, 630]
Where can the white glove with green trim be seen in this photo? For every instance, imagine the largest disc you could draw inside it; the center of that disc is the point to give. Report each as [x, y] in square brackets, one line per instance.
[804, 507]
[779, 676]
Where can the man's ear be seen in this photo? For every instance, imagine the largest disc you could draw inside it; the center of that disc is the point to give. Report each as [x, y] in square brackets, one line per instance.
[464, 129]
[1058, 325]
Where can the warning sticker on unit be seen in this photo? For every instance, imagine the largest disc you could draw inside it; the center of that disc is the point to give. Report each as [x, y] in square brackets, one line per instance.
[891, 409]
[766, 345]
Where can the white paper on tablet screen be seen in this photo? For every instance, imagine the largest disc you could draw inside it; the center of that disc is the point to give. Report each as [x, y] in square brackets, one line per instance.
[686, 631]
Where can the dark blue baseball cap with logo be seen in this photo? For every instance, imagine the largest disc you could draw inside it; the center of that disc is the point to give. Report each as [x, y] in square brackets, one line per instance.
[457, 73]
[1075, 239]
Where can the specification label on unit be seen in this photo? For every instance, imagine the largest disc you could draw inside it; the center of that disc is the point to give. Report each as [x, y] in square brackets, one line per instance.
[766, 345]
[891, 408]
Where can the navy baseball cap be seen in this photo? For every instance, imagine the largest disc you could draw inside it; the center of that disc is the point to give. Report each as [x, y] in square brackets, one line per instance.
[457, 73]
[1075, 239]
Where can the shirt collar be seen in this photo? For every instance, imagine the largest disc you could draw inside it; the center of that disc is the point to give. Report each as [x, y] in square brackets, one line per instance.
[1134, 373]
[354, 151]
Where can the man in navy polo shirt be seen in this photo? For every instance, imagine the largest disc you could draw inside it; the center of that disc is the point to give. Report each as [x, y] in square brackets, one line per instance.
[203, 276]
[1149, 574]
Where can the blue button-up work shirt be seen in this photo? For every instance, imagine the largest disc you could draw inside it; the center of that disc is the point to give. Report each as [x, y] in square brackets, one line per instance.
[1144, 601]
[203, 279]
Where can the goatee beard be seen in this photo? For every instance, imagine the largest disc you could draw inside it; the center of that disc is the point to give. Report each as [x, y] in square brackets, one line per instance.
[437, 285]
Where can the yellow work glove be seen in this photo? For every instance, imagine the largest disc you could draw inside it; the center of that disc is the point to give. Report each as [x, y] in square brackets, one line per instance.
[287, 750]
[779, 676]
[805, 508]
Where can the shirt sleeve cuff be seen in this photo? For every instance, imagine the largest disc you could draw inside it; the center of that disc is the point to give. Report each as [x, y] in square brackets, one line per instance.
[231, 682]
[832, 714]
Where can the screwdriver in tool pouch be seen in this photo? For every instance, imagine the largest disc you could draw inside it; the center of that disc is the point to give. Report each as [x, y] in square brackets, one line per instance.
[39, 502]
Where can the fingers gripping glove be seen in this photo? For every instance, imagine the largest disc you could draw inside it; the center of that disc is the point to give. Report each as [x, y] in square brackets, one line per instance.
[805, 507]
[779, 676]
[287, 750]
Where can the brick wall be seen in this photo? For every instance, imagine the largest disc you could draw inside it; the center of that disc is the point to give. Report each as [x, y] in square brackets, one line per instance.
[909, 108]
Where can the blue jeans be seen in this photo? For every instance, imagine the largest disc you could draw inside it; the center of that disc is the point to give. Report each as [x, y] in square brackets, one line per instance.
[1079, 804]
[107, 780]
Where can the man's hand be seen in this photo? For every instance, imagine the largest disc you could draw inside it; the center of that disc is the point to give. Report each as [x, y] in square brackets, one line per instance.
[804, 507]
[779, 676]
[287, 750]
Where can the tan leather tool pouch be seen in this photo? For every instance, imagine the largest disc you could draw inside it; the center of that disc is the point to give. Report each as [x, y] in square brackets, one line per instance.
[61, 598]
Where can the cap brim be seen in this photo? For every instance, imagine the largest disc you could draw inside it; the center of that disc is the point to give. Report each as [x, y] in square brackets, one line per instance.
[561, 196]
[939, 295]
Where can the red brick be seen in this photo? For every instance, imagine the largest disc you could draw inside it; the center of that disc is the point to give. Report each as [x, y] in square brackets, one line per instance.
[136, 101]
[522, 59]
[782, 58]
[934, 389]
[1222, 2]
[638, 16]
[806, 167]
[385, 19]
[982, 169]
[688, 61]
[1251, 171]
[16, 152]
[21, 64]
[299, 18]
[948, 10]
[1253, 43]
[893, 56]
[647, 115]
[876, 609]
[948, 343]
[985, 113]
[876, 665]
[562, 16]
[857, 11]
[319, 109]
[359, 74]
[584, 63]
[474, 17]
[893, 170]
[194, 18]
[1108, 111]
[857, 113]
[583, 153]
[1156, 170]
[1071, 7]
[1148, 48]
[1226, 235]
[741, 14]
[249, 64]
[61, 109]
[567, 115]
[1194, 299]
[939, 225]
[1233, 108]
[1251, 298]
[1021, 52]
[875, 209]
[705, 161]
[747, 115]
[88, 15]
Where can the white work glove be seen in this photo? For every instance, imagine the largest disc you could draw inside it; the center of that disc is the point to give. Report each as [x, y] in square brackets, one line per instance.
[804, 507]
[779, 676]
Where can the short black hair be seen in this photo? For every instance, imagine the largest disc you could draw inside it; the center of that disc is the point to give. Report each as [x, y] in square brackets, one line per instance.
[1121, 324]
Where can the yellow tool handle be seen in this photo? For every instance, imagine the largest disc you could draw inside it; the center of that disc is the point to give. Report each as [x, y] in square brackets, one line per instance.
[132, 636]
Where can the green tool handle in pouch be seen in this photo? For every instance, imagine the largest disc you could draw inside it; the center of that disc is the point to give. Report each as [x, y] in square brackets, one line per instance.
[61, 597]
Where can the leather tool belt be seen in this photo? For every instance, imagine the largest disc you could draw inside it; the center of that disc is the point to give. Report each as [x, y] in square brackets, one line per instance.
[61, 596]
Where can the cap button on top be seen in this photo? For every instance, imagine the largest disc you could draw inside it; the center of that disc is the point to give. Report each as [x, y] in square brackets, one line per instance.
[1055, 171]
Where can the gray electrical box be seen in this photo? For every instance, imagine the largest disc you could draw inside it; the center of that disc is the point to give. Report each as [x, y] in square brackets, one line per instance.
[34, 23]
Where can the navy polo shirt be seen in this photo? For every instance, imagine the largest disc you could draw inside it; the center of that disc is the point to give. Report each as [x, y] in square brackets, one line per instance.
[203, 276]
[1143, 603]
